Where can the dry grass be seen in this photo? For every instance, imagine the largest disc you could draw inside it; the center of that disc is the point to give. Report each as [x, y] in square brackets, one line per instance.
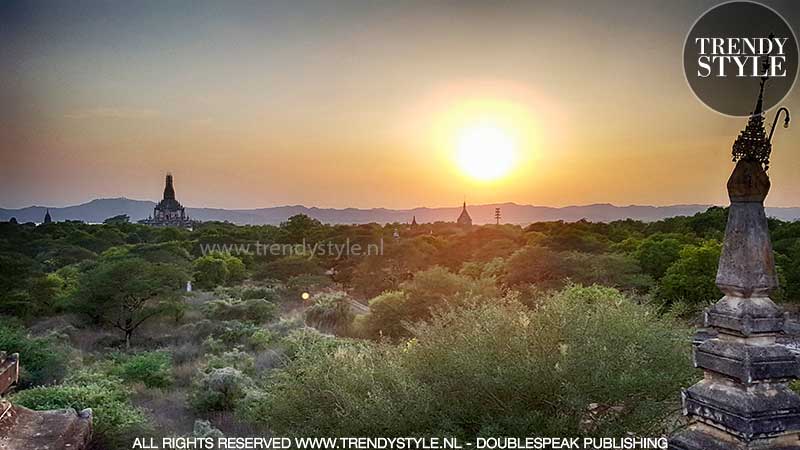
[231, 426]
[168, 409]
[268, 359]
[185, 372]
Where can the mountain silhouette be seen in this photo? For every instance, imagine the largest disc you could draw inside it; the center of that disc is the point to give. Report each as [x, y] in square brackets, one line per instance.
[98, 210]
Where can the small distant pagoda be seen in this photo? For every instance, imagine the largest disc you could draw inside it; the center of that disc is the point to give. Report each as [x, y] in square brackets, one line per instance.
[464, 219]
[169, 212]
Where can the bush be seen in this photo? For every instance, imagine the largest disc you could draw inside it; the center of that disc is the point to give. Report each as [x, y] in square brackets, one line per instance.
[218, 389]
[153, 369]
[233, 332]
[429, 290]
[386, 316]
[115, 420]
[41, 361]
[235, 358]
[257, 310]
[496, 368]
[331, 311]
[296, 286]
[261, 339]
[203, 429]
[354, 390]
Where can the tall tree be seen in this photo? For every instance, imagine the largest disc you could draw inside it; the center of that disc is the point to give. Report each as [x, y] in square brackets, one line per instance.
[127, 292]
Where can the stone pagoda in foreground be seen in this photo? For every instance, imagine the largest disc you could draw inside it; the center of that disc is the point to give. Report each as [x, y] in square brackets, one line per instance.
[743, 401]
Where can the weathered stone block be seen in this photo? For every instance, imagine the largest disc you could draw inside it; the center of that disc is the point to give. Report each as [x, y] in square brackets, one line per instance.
[699, 439]
[746, 317]
[758, 411]
[747, 363]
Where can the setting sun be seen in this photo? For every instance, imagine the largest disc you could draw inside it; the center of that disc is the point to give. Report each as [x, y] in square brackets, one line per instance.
[485, 151]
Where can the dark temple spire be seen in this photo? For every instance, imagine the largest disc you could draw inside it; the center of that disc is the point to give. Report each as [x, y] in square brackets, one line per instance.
[169, 191]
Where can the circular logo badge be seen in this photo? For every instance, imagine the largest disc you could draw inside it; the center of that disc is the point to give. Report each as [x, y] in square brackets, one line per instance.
[731, 49]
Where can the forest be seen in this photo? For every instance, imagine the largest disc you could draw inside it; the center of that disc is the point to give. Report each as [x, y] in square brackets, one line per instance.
[554, 328]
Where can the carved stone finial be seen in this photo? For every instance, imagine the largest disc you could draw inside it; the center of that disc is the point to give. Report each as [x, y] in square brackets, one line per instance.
[752, 143]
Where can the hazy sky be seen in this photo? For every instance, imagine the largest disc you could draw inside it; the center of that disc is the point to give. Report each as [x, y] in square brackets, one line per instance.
[339, 103]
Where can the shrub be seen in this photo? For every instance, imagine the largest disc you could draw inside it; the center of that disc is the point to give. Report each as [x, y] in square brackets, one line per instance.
[235, 358]
[116, 421]
[386, 316]
[429, 290]
[286, 325]
[330, 311]
[261, 339]
[295, 286]
[257, 310]
[218, 389]
[234, 332]
[308, 340]
[42, 362]
[203, 429]
[354, 390]
[265, 293]
[153, 369]
[584, 345]
[496, 368]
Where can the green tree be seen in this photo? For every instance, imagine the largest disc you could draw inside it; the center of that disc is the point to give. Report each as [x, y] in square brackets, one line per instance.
[210, 272]
[429, 291]
[125, 293]
[538, 265]
[691, 279]
[656, 255]
[45, 293]
[300, 227]
[217, 269]
[288, 267]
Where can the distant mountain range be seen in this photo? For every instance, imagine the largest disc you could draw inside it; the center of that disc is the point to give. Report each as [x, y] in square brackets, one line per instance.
[98, 210]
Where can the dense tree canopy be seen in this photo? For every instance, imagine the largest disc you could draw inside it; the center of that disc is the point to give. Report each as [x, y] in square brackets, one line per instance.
[126, 292]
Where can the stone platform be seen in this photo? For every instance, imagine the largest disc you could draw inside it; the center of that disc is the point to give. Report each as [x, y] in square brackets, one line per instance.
[25, 429]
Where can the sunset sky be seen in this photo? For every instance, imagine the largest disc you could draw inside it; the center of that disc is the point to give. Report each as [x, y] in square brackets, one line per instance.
[361, 103]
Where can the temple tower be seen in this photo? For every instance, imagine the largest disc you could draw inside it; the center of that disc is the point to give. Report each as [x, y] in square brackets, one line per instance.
[464, 219]
[169, 190]
[169, 212]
